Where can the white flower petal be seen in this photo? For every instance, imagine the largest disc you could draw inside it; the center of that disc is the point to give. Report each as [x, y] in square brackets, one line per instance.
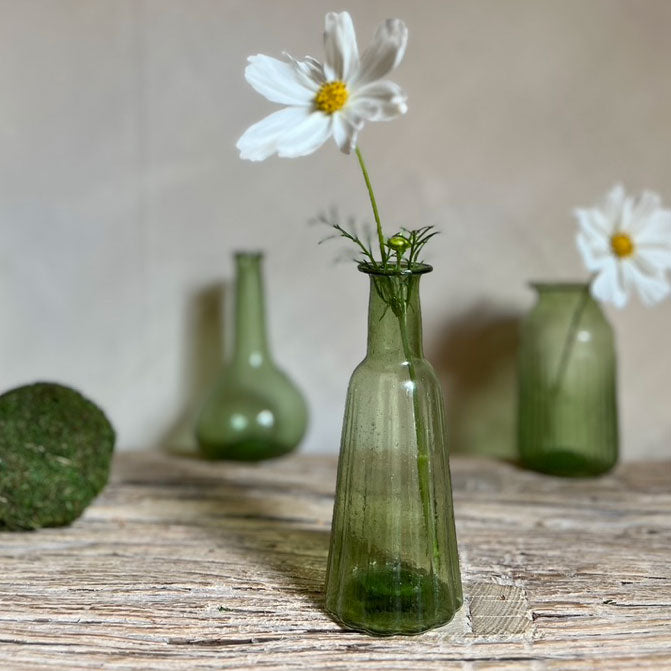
[651, 287]
[656, 230]
[278, 81]
[259, 141]
[611, 207]
[647, 261]
[652, 237]
[379, 101]
[654, 256]
[594, 225]
[643, 210]
[385, 52]
[342, 53]
[626, 220]
[345, 130]
[306, 137]
[310, 69]
[594, 256]
[609, 285]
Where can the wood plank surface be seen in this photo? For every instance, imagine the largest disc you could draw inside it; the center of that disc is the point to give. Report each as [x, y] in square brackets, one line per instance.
[185, 564]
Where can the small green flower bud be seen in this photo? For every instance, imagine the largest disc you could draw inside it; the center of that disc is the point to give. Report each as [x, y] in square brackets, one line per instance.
[398, 243]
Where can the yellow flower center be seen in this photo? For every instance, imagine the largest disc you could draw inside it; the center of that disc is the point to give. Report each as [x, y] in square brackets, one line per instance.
[622, 245]
[331, 97]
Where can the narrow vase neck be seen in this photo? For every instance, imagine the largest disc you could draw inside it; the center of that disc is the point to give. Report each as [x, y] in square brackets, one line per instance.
[251, 345]
[394, 317]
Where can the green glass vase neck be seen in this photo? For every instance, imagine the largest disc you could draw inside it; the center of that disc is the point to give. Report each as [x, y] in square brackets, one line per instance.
[559, 291]
[563, 297]
[251, 342]
[394, 314]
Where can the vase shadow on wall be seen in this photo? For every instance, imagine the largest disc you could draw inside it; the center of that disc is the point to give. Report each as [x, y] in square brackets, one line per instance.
[476, 360]
[202, 359]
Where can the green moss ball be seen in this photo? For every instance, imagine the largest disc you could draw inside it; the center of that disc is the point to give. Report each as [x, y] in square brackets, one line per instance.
[55, 453]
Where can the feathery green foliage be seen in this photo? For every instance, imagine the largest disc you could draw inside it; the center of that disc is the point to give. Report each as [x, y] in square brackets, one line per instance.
[403, 249]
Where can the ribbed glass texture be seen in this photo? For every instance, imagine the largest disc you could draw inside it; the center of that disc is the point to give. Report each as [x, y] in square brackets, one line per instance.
[254, 411]
[567, 419]
[393, 566]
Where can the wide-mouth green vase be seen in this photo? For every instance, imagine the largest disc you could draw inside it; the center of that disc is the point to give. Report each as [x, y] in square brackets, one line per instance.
[567, 375]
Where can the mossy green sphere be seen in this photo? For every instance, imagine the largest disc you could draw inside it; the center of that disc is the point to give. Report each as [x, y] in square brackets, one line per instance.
[55, 453]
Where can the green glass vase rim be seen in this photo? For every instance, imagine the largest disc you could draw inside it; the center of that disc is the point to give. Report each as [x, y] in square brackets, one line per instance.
[559, 285]
[414, 269]
[253, 255]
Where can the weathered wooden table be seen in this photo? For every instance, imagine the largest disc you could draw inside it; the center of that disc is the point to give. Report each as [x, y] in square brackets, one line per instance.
[185, 564]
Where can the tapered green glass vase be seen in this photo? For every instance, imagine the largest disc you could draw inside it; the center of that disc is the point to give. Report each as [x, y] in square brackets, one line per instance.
[393, 566]
[255, 411]
[567, 399]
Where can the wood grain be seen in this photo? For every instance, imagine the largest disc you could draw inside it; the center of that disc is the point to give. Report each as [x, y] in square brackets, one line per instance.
[185, 564]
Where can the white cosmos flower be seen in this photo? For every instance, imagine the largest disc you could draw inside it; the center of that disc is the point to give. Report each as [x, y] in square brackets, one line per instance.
[327, 99]
[627, 243]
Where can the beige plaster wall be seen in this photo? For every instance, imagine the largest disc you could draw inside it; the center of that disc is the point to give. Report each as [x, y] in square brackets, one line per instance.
[122, 196]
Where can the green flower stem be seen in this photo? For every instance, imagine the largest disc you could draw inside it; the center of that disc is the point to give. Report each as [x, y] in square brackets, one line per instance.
[570, 338]
[376, 214]
[423, 464]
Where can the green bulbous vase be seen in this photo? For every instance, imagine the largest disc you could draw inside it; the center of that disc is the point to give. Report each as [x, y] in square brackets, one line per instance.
[255, 411]
[393, 566]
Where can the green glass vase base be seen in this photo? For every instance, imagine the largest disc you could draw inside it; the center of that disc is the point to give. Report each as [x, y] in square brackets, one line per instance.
[566, 462]
[390, 600]
[245, 450]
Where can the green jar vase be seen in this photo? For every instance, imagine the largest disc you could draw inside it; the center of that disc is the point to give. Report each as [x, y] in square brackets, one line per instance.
[393, 566]
[254, 411]
[567, 401]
